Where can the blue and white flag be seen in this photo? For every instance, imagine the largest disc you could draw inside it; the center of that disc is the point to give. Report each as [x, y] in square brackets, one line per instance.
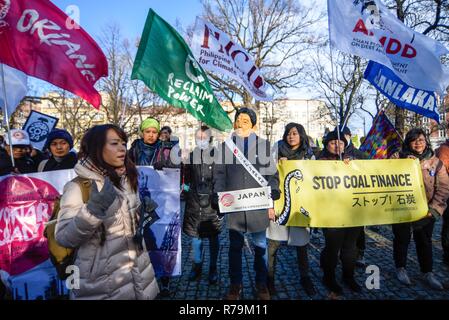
[368, 29]
[16, 88]
[402, 95]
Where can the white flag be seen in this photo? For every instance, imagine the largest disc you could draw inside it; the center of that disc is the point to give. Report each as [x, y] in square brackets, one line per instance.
[369, 30]
[217, 53]
[16, 88]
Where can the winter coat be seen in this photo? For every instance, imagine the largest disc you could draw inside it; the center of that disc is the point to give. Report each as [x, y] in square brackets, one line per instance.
[296, 236]
[200, 220]
[24, 164]
[233, 176]
[443, 154]
[118, 269]
[68, 162]
[355, 153]
[436, 181]
[158, 155]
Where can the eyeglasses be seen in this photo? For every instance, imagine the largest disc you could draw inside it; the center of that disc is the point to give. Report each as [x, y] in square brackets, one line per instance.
[419, 141]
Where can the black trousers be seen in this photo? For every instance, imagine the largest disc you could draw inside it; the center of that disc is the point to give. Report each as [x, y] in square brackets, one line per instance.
[361, 245]
[340, 241]
[302, 256]
[423, 241]
[445, 235]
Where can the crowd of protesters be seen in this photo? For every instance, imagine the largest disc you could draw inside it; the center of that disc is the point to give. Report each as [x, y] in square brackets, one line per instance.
[114, 265]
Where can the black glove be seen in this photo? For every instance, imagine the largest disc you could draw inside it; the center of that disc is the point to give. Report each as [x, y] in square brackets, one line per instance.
[99, 202]
[275, 195]
[148, 216]
[214, 202]
[158, 166]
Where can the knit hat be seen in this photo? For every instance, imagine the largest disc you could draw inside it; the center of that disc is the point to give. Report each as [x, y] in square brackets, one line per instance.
[345, 130]
[59, 134]
[250, 112]
[334, 136]
[18, 138]
[150, 123]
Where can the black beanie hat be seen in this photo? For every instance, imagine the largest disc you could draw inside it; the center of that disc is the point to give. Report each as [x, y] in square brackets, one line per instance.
[59, 134]
[250, 112]
[334, 136]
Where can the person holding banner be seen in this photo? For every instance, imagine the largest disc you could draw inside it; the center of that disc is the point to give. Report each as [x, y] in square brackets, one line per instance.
[20, 143]
[338, 240]
[59, 143]
[200, 219]
[293, 146]
[151, 151]
[436, 182]
[112, 264]
[246, 163]
[356, 154]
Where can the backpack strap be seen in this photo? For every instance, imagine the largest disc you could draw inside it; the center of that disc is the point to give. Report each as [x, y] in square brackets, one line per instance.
[85, 186]
[42, 165]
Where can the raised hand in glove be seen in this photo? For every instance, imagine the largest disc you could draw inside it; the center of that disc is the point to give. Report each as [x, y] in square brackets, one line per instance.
[100, 201]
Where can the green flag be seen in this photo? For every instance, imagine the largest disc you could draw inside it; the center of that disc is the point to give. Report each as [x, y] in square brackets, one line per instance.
[167, 66]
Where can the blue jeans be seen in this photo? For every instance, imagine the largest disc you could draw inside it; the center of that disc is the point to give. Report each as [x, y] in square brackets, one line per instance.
[236, 243]
[197, 246]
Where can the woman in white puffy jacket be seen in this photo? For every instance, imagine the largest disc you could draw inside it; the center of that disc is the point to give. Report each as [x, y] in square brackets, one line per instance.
[112, 265]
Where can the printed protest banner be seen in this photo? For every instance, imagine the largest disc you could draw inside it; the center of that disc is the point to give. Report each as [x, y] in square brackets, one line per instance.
[328, 194]
[26, 204]
[216, 52]
[402, 95]
[163, 238]
[367, 28]
[37, 40]
[245, 200]
[38, 126]
[166, 65]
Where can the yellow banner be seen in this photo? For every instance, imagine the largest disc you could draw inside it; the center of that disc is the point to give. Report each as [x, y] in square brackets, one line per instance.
[361, 193]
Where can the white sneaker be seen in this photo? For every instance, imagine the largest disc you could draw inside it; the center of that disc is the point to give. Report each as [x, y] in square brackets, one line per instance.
[432, 281]
[402, 276]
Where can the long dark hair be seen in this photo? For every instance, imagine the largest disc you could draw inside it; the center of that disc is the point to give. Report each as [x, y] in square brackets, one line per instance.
[304, 143]
[412, 135]
[92, 146]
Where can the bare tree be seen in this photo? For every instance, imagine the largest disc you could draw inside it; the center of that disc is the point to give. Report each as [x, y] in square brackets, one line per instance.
[116, 89]
[343, 91]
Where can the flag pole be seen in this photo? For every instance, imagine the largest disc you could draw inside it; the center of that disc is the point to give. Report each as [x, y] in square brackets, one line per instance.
[7, 115]
[335, 100]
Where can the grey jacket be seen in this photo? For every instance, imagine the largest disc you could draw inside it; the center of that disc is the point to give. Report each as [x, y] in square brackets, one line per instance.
[118, 269]
[233, 176]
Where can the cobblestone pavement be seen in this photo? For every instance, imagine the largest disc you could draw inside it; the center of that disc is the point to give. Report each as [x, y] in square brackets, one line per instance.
[379, 252]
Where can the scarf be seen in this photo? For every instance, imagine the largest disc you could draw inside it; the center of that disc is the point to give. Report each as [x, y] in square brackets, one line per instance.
[285, 151]
[88, 164]
[427, 154]
[146, 153]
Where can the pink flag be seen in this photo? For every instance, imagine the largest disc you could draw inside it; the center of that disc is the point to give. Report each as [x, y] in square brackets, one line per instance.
[37, 39]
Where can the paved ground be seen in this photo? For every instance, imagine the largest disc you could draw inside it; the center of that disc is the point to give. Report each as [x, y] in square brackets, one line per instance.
[378, 252]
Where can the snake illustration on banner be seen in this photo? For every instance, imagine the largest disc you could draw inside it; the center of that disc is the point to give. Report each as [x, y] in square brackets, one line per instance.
[285, 214]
